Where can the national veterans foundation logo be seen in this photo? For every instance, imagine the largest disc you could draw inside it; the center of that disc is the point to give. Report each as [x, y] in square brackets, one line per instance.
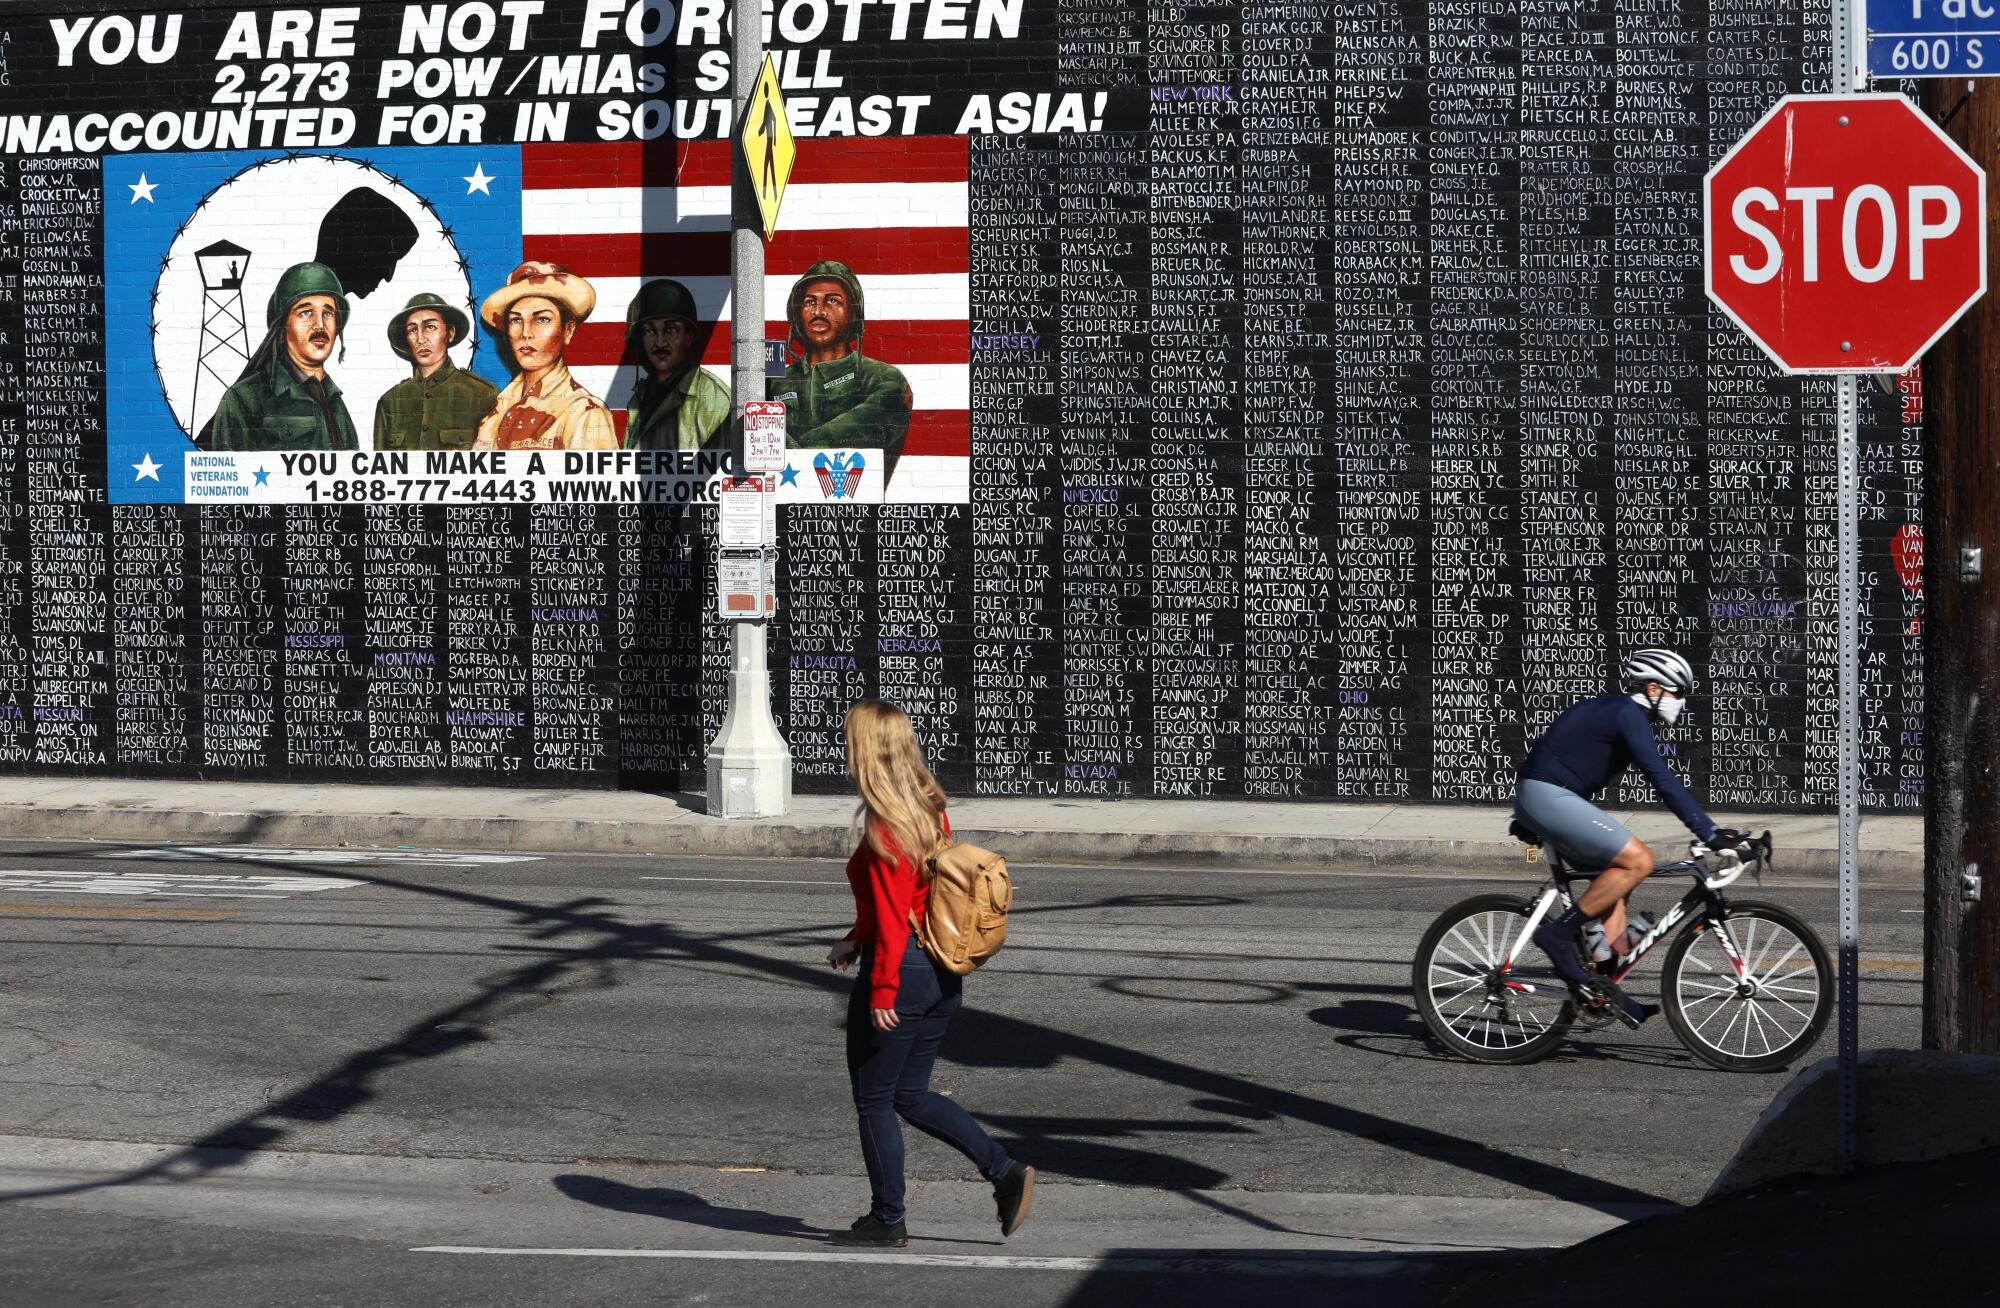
[839, 474]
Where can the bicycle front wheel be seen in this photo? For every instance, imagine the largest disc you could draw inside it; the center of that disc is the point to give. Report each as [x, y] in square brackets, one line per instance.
[1763, 1016]
[1473, 1009]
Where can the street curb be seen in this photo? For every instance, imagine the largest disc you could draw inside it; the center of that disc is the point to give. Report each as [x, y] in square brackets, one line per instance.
[689, 834]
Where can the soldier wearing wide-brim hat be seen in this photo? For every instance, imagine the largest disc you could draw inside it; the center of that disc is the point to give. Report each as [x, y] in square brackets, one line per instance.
[438, 407]
[284, 399]
[835, 396]
[676, 404]
[536, 315]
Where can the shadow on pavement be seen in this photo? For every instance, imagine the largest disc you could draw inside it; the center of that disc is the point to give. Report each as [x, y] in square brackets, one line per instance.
[1887, 1235]
[681, 1206]
[1201, 1279]
[583, 943]
[1079, 1148]
[1395, 1031]
[1371, 1017]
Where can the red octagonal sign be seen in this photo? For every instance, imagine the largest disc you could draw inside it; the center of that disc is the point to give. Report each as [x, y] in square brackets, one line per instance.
[1845, 233]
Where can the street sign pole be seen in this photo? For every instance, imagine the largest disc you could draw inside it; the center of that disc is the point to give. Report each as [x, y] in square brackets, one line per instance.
[1847, 78]
[1848, 427]
[749, 766]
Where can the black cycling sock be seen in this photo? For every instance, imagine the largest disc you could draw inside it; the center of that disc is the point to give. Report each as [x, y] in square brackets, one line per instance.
[1557, 937]
[1572, 920]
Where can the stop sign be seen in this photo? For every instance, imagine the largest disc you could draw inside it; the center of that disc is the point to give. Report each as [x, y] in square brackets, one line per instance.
[1845, 233]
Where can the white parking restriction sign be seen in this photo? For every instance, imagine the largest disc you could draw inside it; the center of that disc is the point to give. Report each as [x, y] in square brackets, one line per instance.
[764, 436]
[746, 584]
[748, 516]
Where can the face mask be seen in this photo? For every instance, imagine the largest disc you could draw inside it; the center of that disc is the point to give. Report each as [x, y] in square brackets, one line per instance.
[1668, 707]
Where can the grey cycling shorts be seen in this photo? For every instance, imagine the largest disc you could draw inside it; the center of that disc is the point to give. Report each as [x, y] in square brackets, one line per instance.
[1582, 832]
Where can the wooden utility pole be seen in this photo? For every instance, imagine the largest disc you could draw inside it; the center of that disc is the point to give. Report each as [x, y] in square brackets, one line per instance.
[1962, 634]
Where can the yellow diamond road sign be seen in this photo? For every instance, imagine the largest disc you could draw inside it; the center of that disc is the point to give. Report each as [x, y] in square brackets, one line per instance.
[768, 146]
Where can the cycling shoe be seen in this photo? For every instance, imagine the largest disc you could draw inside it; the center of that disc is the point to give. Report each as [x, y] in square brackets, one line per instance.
[1559, 943]
[1629, 1010]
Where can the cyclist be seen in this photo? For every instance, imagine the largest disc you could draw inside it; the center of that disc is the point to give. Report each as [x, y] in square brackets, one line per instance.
[1585, 750]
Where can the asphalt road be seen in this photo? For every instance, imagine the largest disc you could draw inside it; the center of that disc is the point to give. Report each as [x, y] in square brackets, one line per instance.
[1193, 1058]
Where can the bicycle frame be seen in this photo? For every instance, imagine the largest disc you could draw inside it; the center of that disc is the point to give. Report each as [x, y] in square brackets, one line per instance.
[1705, 896]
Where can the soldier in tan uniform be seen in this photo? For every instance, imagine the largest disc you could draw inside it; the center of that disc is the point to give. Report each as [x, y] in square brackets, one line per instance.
[536, 313]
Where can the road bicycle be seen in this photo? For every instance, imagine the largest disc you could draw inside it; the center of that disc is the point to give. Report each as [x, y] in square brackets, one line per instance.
[1748, 987]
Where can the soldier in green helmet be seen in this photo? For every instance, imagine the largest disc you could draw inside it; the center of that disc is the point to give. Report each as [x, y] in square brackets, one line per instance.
[439, 406]
[835, 396]
[676, 404]
[285, 400]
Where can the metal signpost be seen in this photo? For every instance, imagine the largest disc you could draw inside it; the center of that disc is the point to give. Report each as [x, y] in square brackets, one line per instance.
[749, 766]
[1845, 233]
[1848, 77]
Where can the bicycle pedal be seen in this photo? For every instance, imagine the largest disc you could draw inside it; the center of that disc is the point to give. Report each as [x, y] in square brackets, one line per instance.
[1614, 1006]
[1593, 1019]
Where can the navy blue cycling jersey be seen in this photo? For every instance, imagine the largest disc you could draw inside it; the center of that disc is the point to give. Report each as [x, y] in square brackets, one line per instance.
[1589, 746]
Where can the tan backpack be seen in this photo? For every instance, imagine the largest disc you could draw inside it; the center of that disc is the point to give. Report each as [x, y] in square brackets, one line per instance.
[966, 922]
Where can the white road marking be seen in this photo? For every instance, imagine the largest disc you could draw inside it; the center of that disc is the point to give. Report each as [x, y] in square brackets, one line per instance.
[264, 854]
[1196, 1264]
[754, 881]
[70, 881]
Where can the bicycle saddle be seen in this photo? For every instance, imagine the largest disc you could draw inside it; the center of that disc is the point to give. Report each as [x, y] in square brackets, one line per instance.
[1524, 833]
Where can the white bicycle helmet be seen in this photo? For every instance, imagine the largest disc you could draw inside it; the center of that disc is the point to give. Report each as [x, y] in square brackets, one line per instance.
[1661, 665]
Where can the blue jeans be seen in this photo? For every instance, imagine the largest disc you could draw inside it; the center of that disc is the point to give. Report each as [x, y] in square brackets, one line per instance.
[890, 1072]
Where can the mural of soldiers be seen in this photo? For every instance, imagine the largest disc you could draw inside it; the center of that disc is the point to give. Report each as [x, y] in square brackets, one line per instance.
[835, 396]
[536, 314]
[676, 404]
[440, 405]
[285, 400]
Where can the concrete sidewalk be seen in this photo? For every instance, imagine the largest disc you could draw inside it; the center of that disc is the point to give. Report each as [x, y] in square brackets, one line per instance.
[1470, 841]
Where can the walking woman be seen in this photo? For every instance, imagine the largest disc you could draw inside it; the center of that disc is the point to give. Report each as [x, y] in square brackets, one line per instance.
[902, 1001]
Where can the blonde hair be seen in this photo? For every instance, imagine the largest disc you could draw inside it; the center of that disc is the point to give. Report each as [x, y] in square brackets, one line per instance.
[902, 805]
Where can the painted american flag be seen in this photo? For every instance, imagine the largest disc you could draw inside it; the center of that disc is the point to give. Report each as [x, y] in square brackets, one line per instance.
[892, 208]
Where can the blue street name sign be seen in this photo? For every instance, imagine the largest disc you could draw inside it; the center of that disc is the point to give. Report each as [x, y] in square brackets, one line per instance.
[1933, 38]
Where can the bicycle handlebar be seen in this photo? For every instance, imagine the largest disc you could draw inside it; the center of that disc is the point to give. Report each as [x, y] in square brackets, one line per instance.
[1732, 860]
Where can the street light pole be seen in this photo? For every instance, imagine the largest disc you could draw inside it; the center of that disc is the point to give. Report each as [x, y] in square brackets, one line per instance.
[749, 766]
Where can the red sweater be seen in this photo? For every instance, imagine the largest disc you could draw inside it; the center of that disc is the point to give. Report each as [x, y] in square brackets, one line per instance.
[887, 892]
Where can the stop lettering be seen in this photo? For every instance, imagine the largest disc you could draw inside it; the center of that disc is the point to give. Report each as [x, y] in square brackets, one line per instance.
[1845, 233]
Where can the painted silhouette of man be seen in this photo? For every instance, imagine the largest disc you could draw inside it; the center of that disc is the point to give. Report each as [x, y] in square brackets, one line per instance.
[770, 130]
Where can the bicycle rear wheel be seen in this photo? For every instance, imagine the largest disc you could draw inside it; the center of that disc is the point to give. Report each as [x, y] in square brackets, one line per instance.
[1474, 1010]
[1763, 1018]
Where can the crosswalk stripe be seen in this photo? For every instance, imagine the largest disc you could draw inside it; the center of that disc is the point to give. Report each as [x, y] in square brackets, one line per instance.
[1181, 1264]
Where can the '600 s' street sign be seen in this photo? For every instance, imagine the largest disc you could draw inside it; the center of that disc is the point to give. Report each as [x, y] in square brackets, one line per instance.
[1933, 38]
[1845, 233]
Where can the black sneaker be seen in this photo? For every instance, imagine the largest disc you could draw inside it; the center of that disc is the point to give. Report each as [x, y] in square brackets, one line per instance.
[871, 1232]
[1012, 1194]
